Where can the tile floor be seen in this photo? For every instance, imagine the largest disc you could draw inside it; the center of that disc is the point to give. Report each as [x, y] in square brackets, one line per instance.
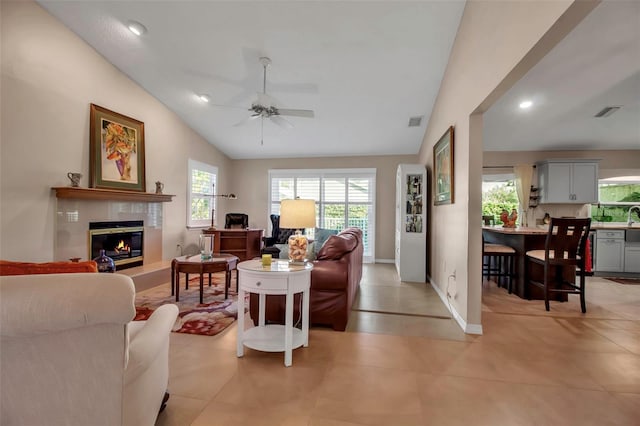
[529, 368]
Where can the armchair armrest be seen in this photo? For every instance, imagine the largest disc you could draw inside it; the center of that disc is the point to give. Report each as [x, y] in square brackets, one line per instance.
[147, 343]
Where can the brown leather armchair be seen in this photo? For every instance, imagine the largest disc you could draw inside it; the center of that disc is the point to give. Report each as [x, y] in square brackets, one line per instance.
[335, 278]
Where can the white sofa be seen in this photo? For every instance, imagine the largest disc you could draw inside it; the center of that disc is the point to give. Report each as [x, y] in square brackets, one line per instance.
[70, 355]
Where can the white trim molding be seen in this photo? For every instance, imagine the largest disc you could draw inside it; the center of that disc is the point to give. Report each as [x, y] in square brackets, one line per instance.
[467, 328]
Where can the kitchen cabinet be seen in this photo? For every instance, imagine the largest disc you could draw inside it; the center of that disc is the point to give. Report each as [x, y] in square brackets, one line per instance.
[568, 181]
[610, 256]
[632, 257]
[411, 226]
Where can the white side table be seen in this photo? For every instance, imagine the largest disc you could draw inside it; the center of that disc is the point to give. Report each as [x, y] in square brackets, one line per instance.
[279, 278]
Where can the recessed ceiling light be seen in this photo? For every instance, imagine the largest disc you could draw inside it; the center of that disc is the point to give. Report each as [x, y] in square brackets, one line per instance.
[525, 104]
[204, 98]
[136, 27]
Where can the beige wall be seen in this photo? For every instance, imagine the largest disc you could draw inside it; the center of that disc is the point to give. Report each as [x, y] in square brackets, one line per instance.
[497, 42]
[49, 78]
[250, 182]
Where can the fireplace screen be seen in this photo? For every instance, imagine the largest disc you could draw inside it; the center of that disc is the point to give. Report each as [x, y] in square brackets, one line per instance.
[121, 241]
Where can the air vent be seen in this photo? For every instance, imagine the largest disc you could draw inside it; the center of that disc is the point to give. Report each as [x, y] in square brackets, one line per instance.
[607, 111]
[415, 121]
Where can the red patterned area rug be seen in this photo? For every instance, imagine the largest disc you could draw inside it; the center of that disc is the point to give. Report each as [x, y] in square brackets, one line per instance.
[208, 319]
[620, 280]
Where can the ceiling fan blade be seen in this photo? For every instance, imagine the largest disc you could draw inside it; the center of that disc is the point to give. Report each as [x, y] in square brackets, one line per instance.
[296, 112]
[246, 120]
[281, 122]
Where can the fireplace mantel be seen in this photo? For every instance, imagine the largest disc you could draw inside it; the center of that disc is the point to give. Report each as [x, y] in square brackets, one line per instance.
[110, 194]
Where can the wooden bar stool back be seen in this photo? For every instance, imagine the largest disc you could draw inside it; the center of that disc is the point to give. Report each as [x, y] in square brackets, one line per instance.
[564, 248]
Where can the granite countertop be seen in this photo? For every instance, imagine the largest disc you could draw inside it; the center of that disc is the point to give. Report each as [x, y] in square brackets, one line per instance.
[520, 230]
[598, 225]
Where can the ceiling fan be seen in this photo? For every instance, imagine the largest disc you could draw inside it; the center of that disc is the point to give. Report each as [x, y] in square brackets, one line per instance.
[265, 107]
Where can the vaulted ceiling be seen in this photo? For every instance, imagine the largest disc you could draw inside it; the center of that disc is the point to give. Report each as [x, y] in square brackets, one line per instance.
[364, 68]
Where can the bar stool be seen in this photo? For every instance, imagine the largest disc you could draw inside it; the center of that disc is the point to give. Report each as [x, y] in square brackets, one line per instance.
[498, 261]
[564, 248]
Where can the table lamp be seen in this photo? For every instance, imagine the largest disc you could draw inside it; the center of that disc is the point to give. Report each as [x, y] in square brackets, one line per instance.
[297, 214]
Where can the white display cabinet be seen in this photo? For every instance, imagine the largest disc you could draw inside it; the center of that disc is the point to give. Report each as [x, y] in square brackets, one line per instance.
[411, 222]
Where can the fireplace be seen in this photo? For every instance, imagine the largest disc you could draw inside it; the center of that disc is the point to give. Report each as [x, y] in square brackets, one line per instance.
[121, 241]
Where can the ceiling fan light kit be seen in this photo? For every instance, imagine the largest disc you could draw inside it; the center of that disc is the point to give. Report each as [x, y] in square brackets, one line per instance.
[265, 107]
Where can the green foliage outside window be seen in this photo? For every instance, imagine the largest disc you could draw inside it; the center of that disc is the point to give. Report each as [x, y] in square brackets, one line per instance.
[610, 194]
[200, 208]
[497, 196]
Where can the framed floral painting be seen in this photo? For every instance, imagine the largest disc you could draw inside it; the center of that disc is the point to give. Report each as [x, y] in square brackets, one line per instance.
[443, 169]
[116, 152]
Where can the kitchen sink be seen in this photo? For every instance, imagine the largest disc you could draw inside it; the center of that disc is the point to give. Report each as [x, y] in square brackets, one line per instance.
[632, 236]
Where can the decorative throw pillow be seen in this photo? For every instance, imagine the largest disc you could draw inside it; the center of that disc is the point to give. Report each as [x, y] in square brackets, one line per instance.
[337, 246]
[321, 236]
[8, 267]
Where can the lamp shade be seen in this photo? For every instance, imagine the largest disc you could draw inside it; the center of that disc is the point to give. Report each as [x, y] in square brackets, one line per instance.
[298, 214]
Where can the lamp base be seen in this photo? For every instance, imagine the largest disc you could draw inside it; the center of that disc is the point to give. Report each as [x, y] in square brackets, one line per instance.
[298, 244]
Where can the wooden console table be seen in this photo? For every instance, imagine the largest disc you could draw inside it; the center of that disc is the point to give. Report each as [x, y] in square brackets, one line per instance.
[244, 243]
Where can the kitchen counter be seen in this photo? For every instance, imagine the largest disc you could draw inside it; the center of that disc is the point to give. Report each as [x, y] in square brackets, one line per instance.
[543, 229]
[522, 239]
[599, 225]
[520, 230]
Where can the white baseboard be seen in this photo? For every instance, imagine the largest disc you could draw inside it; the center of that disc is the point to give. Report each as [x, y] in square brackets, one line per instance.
[385, 261]
[467, 328]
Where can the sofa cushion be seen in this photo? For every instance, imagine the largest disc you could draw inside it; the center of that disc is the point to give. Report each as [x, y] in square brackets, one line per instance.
[337, 246]
[8, 267]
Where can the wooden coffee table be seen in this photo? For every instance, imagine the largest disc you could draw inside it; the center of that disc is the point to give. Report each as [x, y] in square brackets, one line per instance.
[194, 264]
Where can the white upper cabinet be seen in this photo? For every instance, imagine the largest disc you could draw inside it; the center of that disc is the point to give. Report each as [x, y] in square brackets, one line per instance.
[568, 181]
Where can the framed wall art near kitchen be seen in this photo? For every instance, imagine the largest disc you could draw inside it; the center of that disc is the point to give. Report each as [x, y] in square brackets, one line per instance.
[443, 169]
[116, 152]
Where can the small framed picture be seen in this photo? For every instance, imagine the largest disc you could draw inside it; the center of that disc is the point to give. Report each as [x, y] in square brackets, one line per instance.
[443, 169]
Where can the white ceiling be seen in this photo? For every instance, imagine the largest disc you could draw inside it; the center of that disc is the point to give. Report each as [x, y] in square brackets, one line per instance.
[364, 67]
[596, 65]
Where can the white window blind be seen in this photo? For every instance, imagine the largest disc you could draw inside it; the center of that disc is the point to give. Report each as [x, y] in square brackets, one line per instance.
[201, 202]
[344, 198]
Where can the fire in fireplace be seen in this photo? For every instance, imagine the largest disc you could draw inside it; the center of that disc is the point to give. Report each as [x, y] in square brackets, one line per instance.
[121, 241]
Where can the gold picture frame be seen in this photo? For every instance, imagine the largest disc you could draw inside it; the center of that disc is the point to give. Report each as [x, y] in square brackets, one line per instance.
[443, 171]
[116, 152]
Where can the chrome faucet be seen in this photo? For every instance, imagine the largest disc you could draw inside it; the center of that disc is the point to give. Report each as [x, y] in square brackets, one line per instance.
[629, 220]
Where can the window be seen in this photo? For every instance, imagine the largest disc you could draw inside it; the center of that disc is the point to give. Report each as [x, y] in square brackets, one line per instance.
[498, 193]
[617, 196]
[344, 198]
[201, 202]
